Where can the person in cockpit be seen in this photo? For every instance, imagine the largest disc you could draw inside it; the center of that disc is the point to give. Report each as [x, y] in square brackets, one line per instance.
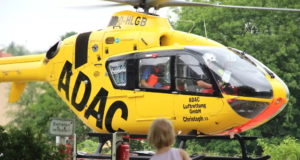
[150, 77]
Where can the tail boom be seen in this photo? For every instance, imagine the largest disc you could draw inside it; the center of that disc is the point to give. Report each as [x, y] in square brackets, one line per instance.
[23, 69]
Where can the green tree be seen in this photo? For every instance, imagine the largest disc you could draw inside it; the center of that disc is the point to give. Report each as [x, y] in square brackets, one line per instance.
[273, 37]
[288, 148]
[68, 34]
[16, 50]
[38, 105]
[22, 144]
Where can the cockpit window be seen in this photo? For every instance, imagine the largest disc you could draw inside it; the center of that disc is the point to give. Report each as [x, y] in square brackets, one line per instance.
[235, 73]
[118, 72]
[154, 73]
[190, 77]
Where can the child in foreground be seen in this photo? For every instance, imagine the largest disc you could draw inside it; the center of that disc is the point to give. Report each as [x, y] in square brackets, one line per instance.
[162, 136]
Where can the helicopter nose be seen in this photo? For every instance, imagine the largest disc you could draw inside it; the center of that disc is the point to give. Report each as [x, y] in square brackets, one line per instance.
[287, 92]
[281, 96]
[271, 109]
[280, 99]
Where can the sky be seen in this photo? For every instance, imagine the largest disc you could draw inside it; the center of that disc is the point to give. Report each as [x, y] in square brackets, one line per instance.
[38, 24]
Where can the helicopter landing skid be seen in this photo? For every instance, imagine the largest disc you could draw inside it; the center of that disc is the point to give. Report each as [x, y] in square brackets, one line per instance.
[241, 140]
[104, 137]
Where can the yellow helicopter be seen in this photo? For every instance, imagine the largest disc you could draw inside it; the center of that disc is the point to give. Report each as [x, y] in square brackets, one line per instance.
[139, 69]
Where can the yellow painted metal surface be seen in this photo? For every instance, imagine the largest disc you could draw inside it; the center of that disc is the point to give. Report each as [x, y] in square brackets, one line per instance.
[87, 89]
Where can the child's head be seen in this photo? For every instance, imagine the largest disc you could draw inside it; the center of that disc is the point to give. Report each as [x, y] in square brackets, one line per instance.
[161, 133]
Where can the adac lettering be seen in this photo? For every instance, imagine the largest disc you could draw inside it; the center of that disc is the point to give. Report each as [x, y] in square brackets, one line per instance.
[87, 91]
[194, 108]
[99, 99]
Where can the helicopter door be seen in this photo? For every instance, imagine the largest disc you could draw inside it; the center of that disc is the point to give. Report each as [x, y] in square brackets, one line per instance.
[120, 99]
[195, 99]
[154, 86]
[118, 42]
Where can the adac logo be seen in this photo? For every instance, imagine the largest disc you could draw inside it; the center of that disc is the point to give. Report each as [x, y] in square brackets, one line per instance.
[80, 103]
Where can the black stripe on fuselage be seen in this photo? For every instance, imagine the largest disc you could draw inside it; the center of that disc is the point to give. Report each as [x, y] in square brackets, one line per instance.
[81, 49]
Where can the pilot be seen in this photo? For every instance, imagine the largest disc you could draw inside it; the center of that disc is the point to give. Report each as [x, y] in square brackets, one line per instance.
[150, 77]
[203, 84]
[205, 87]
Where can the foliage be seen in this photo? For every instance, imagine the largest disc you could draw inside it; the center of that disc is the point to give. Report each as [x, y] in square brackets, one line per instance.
[87, 146]
[140, 145]
[215, 147]
[68, 34]
[16, 50]
[38, 105]
[90, 146]
[223, 147]
[288, 148]
[272, 37]
[23, 144]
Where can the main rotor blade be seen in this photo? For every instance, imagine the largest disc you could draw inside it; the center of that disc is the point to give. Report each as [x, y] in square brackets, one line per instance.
[156, 2]
[127, 2]
[96, 6]
[182, 3]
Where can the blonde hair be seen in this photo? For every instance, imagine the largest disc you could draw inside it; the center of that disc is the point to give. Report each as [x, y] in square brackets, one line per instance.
[161, 133]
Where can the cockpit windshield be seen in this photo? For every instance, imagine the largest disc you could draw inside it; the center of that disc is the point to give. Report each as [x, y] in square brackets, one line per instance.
[234, 73]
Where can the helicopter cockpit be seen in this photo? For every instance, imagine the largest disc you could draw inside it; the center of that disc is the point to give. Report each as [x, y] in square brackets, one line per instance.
[197, 71]
[238, 74]
[235, 73]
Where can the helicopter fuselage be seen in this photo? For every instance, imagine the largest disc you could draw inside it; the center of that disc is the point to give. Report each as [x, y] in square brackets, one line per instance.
[100, 76]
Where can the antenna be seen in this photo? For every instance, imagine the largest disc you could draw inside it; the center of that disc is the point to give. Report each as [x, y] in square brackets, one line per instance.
[193, 27]
[205, 28]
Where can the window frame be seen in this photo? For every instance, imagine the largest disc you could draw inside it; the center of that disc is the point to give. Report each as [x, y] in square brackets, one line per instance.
[132, 65]
[112, 75]
[130, 71]
[155, 89]
[216, 93]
